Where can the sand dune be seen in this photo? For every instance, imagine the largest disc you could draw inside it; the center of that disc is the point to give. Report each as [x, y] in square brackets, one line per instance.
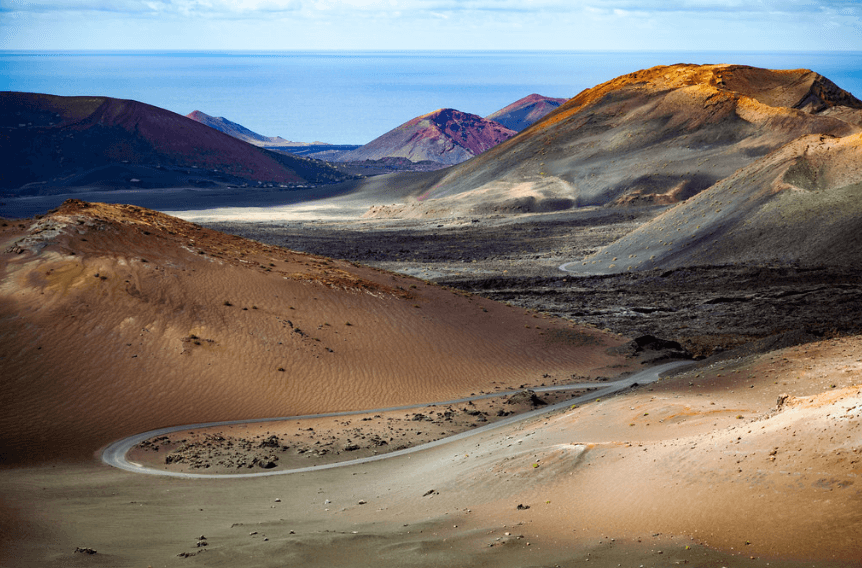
[118, 320]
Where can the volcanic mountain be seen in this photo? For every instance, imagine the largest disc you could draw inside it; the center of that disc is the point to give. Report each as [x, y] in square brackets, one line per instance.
[799, 205]
[446, 136]
[52, 142]
[117, 320]
[239, 131]
[655, 136]
[524, 112]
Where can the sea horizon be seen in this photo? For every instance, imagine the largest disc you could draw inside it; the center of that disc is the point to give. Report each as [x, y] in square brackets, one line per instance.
[352, 97]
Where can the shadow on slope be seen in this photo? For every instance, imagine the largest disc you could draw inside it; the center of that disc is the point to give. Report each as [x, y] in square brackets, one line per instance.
[799, 205]
[118, 320]
[51, 143]
[654, 136]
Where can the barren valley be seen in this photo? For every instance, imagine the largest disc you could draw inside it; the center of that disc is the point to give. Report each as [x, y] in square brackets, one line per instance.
[459, 367]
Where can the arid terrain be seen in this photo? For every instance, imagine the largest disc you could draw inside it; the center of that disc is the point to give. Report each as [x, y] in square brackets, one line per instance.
[751, 462]
[685, 212]
[709, 467]
[516, 260]
[292, 444]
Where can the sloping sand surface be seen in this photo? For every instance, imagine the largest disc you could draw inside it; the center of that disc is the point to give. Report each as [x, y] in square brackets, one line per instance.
[799, 205]
[117, 320]
[713, 467]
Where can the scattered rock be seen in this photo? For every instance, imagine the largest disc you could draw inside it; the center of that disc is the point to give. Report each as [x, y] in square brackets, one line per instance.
[84, 550]
[653, 348]
[526, 397]
[378, 441]
[522, 507]
[174, 458]
[271, 442]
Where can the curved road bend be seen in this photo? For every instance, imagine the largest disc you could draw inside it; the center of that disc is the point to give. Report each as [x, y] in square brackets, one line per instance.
[115, 454]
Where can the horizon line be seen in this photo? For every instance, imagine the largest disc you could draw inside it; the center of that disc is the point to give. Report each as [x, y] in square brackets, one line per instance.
[420, 50]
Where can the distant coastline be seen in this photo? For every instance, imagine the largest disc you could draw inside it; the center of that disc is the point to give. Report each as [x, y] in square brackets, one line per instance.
[351, 97]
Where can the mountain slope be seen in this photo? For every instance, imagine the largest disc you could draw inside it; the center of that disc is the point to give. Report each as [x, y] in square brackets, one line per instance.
[800, 205]
[446, 136]
[55, 142]
[116, 320]
[655, 136]
[524, 112]
[239, 131]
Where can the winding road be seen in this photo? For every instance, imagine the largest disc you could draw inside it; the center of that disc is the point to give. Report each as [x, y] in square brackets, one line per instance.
[115, 454]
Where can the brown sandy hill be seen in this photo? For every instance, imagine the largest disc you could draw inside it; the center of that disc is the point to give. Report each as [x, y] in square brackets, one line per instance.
[524, 112]
[655, 136]
[51, 143]
[446, 136]
[116, 319]
[799, 205]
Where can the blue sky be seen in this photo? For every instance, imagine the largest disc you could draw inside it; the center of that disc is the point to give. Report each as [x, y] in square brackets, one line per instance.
[432, 24]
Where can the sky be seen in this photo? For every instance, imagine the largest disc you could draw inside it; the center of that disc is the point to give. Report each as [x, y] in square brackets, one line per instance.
[771, 25]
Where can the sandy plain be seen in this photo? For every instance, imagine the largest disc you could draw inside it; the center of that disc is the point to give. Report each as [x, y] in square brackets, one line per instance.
[702, 469]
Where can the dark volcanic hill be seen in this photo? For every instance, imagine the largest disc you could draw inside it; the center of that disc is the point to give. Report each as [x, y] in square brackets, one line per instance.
[524, 112]
[659, 136]
[239, 131]
[50, 143]
[446, 136]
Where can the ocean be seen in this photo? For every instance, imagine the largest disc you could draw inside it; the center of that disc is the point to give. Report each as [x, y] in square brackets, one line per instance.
[353, 97]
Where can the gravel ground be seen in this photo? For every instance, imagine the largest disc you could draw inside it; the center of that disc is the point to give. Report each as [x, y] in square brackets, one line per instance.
[516, 259]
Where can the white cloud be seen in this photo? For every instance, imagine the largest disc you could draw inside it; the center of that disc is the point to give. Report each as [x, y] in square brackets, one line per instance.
[133, 7]
[431, 24]
[263, 7]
